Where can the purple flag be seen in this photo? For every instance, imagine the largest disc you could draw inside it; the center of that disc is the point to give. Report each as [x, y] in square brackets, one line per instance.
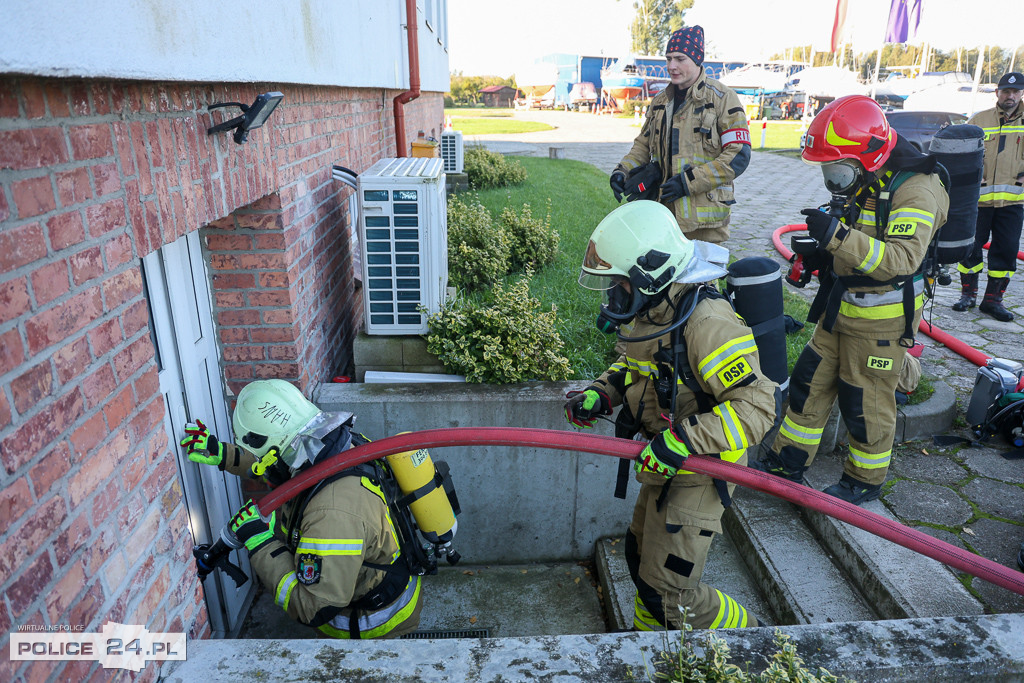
[899, 22]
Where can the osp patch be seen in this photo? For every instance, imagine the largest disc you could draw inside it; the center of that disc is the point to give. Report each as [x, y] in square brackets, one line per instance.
[736, 371]
[309, 568]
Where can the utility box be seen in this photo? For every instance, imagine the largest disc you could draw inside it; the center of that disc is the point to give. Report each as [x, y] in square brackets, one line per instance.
[452, 151]
[403, 232]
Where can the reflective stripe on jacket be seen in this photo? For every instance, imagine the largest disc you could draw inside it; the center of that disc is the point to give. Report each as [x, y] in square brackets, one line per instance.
[887, 255]
[709, 145]
[724, 360]
[1003, 181]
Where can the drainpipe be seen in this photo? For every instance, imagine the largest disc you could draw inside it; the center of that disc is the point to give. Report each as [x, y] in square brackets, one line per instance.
[411, 27]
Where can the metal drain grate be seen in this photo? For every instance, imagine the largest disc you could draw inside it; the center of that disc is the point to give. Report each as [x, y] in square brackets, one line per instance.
[457, 633]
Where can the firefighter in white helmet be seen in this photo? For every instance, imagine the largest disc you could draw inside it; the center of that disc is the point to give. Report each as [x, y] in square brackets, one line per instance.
[690, 382]
[332, 557]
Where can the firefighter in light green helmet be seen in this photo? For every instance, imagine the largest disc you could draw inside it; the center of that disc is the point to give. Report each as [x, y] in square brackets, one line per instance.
[689, 381]
[332, 555]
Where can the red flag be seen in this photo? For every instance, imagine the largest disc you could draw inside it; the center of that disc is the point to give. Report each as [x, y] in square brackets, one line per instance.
[838, 25]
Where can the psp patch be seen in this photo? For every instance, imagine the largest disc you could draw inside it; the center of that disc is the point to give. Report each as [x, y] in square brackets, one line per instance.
[734, 372]
[902, 229]
[309, 569]
[877, 363]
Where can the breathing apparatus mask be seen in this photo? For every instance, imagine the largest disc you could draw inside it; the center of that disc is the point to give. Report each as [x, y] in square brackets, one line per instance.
[842, 177]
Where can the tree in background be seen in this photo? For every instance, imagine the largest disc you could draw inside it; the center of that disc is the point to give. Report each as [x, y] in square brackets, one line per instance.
[465, 90]
[654, 22]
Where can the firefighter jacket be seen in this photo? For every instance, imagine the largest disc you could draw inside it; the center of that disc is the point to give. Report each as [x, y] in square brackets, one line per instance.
[737, 405]
[317, 570]
[875, 263]
[709, 144]
[1004, 156]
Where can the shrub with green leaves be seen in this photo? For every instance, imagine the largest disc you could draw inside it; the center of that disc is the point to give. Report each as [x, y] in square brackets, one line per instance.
[478, 250]
[487, 169]
[503, 339]
[534, 243]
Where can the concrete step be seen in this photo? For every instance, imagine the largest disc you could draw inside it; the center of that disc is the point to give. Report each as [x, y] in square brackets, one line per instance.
[725, 570]
[899, 583]
[799, 578]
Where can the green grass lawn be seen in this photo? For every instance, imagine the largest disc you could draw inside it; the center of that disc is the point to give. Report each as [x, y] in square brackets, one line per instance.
[480, 125]
[778, 135]
[478, 111]
[579, 200]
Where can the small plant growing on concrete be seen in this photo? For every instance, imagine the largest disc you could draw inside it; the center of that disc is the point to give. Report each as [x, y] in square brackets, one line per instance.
[502, 339]
[487, 169]
[683, 664]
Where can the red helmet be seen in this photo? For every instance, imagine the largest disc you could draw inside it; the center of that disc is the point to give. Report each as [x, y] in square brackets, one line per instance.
[851, 127]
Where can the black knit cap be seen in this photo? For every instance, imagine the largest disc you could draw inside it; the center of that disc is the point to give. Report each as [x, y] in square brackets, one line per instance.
[690, 41]
[1011, 80]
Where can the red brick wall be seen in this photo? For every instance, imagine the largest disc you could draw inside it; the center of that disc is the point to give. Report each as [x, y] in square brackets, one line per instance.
[94, 175]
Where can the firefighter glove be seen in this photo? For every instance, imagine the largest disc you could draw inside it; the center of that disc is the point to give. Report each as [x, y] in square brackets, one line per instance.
[203, 447]
[250, 529]
[618, 184]
[673, 188]
[664, 455]
[583, 407]
[821, 226]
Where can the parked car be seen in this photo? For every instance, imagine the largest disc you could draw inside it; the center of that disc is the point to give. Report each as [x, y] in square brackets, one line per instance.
[918, 127]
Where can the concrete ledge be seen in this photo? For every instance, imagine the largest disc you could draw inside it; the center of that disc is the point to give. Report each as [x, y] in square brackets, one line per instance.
[933, 416]
[985, 648]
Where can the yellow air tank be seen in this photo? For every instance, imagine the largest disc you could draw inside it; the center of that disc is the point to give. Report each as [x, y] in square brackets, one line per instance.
[415, 474]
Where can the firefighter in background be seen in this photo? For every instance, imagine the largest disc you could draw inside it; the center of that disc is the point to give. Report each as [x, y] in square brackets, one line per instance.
[332, 558]
[1001, 204]
[690, 382]
[891, 203]
[693, 143]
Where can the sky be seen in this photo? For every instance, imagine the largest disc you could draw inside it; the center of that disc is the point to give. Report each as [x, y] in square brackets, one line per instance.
[488, 37]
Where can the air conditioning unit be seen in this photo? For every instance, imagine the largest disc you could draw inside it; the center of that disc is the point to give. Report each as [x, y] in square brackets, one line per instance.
[403, 232]
[451, 151]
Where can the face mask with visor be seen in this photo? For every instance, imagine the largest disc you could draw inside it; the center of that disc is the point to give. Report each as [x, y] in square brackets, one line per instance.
[842, 177]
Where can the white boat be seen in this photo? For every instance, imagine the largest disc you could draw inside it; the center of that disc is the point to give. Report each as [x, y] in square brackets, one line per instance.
[897, 88]
[955, 97]
[536, 80]
[825, 83]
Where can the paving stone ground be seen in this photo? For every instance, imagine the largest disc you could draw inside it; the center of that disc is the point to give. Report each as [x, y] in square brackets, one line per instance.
[971, 497]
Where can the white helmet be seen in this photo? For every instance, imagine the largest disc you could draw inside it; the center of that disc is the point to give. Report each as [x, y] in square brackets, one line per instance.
[271, 413]
[640, 247]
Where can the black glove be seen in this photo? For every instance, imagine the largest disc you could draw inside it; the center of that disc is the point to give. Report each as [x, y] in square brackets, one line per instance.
[617, 183]
[673, 188]
[821, 226]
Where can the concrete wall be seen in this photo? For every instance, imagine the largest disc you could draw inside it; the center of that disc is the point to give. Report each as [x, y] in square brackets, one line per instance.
[355, 43]
[555, 504]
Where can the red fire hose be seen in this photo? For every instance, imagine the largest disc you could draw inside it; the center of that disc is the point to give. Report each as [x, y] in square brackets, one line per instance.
[949, 341]
[623, 448]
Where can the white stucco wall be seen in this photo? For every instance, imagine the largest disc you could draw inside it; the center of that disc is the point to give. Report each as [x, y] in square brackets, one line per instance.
[356, 43]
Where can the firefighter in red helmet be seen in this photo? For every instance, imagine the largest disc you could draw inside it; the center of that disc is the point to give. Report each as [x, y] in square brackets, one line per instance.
[887, 203]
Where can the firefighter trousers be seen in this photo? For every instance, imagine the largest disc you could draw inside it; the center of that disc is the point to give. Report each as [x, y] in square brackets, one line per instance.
[862, 374]
[1003, 225]
[666, 548]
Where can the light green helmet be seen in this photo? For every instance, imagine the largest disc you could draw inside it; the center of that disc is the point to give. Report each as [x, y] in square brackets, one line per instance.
[271, 413]
[641, 243]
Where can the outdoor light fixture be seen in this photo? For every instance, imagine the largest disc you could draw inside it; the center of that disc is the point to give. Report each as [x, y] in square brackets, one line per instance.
[253, 115]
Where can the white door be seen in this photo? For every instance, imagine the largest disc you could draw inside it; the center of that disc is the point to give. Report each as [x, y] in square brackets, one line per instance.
[190, 380]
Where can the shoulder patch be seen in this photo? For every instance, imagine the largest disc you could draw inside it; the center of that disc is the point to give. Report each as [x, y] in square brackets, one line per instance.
[309, 568]
[734, 372]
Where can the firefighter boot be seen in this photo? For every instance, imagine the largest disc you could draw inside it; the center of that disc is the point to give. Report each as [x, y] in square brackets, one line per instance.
[992, 304]
[771, 462]
[853, 491]
[968, 292]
